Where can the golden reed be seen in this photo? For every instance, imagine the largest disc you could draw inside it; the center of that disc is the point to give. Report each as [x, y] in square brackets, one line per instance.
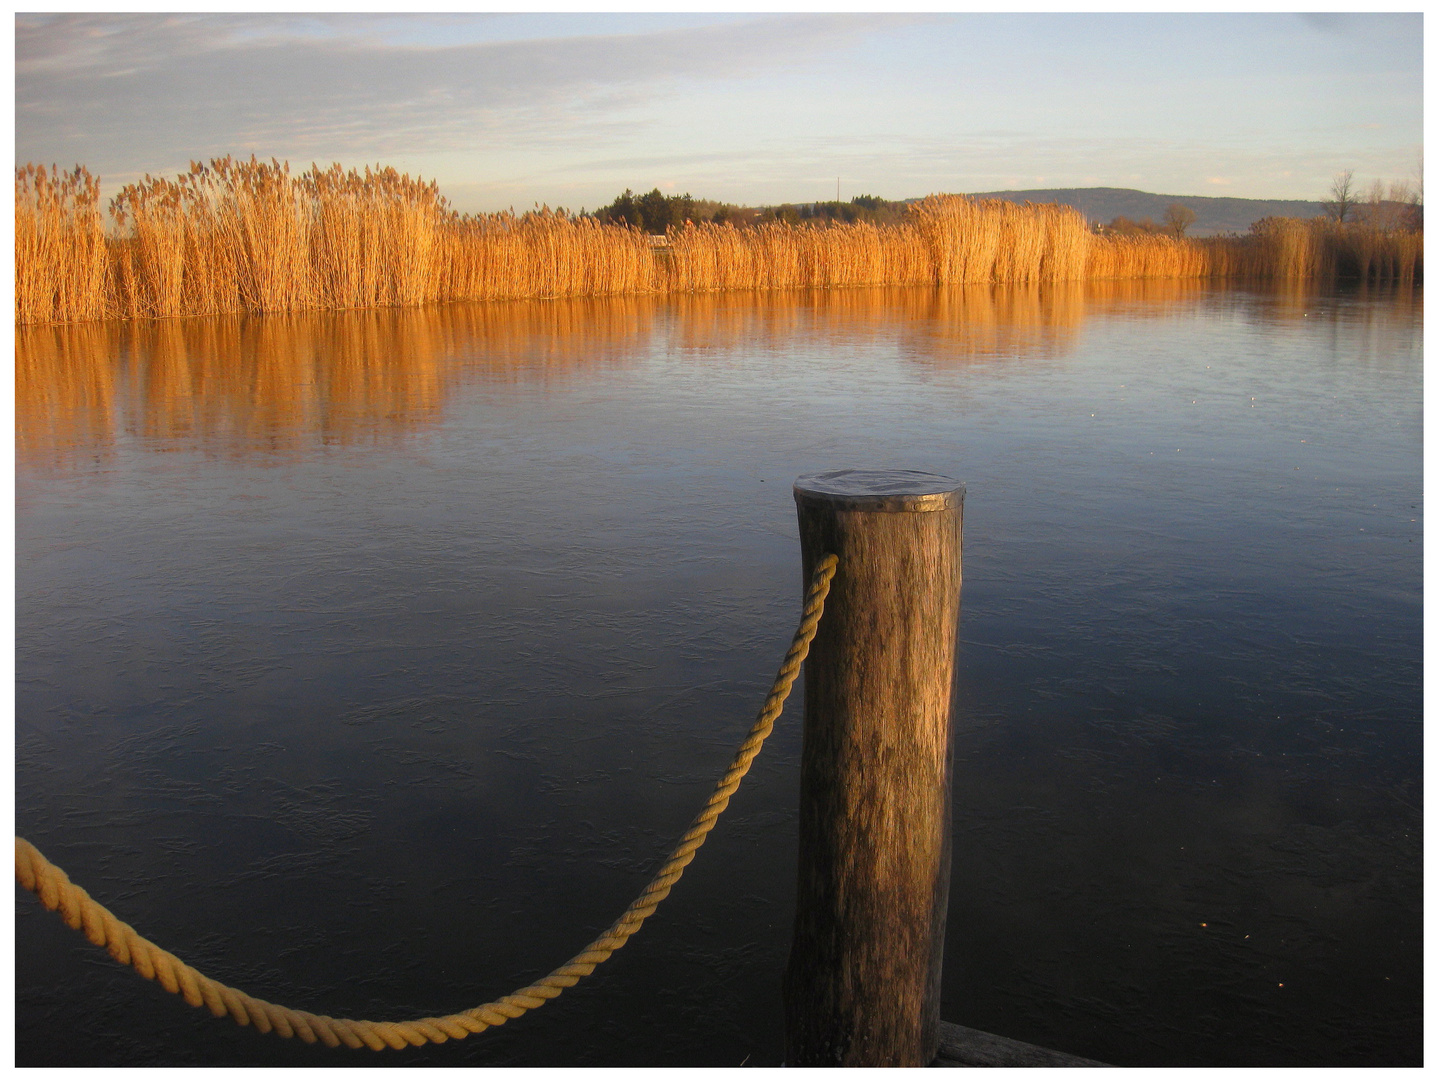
[235, 237]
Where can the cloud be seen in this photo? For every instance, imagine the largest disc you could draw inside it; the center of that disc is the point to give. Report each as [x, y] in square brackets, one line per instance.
[744, 107]
[182, 86]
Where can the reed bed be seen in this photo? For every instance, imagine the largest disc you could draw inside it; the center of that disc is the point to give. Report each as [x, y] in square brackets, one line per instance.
[981, 241]
[1371, 254]
[709, 257]
[540, 254]
[1144, 257]
[235, 237]
[61, 256]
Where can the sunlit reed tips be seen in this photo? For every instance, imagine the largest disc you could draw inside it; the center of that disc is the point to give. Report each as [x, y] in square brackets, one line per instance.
[248, 236]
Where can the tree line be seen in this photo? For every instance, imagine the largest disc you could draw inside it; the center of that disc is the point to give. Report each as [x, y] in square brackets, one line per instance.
[1178, 218]
[1397, 205]
[1386, 207]
[656, 212]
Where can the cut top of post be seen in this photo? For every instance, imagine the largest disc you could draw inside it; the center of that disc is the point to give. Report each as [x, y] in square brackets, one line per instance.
[888, 491]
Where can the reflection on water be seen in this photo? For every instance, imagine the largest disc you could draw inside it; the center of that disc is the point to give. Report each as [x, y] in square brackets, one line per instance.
[262, 384]
[943, 326]
[432, 628]
[258, 385]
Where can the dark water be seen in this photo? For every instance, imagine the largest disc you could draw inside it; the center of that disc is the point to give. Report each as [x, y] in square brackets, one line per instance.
[371, 662]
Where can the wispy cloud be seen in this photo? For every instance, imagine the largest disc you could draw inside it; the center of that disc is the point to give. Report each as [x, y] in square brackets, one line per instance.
[304, 85]
[573, 108]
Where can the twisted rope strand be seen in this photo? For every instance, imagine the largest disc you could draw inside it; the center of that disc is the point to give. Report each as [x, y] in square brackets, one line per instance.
[57, 892]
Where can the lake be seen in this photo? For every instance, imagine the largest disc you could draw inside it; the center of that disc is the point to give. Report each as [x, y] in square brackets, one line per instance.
[370, 662]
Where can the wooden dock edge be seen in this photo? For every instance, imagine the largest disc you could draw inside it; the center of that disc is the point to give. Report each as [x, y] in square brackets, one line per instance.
[963, 1047]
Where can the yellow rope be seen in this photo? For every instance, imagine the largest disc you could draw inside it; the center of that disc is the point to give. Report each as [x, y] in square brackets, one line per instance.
[80, 912]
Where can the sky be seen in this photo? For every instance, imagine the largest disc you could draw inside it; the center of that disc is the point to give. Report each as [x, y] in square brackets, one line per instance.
[569, 109]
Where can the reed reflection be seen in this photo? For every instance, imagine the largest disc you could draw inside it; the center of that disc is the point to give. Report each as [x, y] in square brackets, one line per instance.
[552, 341]
[65, 391]
[955, 324]
[1394, 316]
[242, 385]
[246, 385]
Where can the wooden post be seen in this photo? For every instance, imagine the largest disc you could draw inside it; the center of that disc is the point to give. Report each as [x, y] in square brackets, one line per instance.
[863, 983]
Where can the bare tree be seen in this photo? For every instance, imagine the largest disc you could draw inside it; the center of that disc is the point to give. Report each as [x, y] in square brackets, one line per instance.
[1178, 218]
[1123, 226]
[1415, 219]
[1343, 196]
[1387, 208]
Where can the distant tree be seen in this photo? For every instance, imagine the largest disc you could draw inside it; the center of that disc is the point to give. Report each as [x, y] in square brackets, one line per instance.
[869, 208]
[1343, 196]
[622, 211]
[1178, 218]
[1390, 208]
[729, 214]
[1415, 208]
[1123, 226]
[653, 212]
[830, 211]
[1417, 198]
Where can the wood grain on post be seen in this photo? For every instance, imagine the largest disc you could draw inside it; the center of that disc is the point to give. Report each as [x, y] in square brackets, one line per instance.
[862, 987]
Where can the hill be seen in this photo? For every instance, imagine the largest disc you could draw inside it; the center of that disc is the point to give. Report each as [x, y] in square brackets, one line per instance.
[1212, 215]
